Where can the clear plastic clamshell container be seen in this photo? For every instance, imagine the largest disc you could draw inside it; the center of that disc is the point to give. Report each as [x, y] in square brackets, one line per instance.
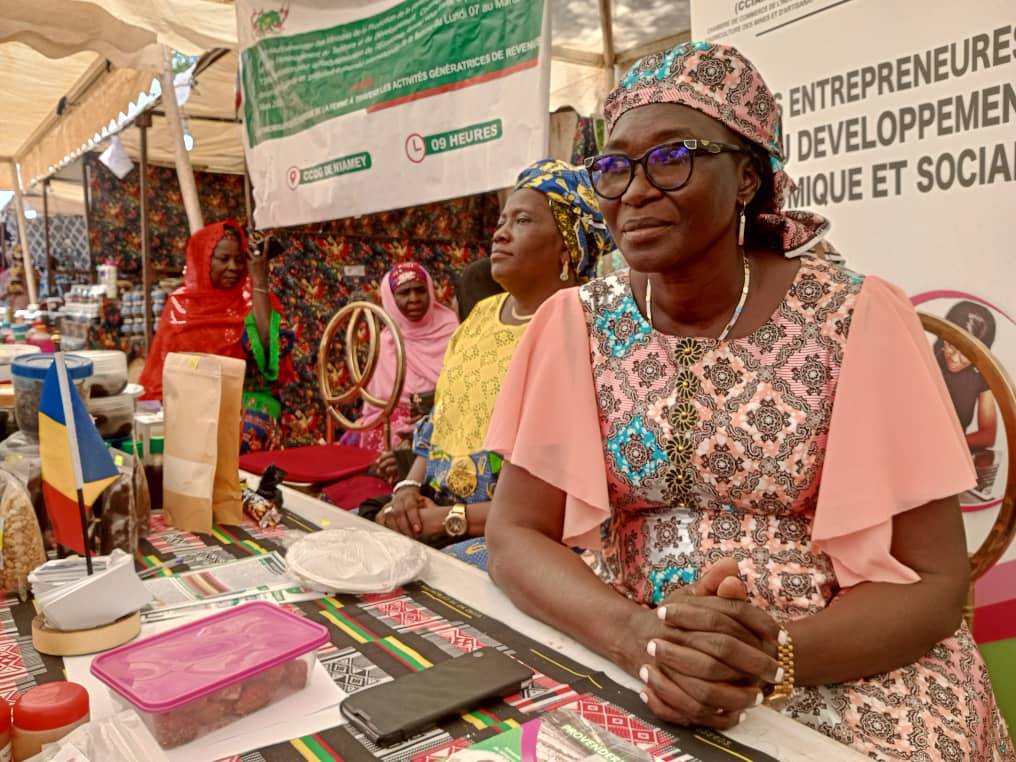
[9, 352]
[201, 676]
[109, 371]
[114, 416]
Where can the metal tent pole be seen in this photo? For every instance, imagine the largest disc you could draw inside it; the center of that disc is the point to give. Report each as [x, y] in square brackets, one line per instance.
[143, 122]
[26, 255]
[184, 170]
[50, 265]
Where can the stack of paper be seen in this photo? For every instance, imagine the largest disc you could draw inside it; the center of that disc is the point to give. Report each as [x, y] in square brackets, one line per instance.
[561, 736]
[223, 585]
[71, 600]
[54, 574]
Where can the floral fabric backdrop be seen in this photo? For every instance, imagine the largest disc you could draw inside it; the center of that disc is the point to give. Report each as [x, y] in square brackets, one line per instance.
[590, 134]
[312, 281]
[115, 207]
[323, 267]
[68, 240]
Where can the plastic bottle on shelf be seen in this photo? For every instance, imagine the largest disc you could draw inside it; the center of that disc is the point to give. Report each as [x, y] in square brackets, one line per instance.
[40, 337]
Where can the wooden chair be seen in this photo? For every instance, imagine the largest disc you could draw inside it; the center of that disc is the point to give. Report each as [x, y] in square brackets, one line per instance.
[1001, 386]
[369, 318]
[316, 465]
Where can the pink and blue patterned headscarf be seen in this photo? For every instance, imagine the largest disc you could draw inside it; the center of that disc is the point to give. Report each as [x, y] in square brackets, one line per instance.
[406, 272]
[721, 83]
[575, 208]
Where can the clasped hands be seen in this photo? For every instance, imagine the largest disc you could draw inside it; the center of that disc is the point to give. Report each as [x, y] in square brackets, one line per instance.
[413, 515]
[705, 653]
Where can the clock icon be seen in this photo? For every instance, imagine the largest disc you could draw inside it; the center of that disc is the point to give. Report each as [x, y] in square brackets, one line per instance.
[416, 148]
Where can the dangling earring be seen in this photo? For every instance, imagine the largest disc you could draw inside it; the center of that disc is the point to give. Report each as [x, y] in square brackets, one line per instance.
[565, 274]
[740, 229]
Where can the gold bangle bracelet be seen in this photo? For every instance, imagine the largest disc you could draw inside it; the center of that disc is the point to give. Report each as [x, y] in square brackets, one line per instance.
[784, 688]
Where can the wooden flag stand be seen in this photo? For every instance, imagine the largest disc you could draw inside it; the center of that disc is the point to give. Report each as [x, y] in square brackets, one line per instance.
[79, 642]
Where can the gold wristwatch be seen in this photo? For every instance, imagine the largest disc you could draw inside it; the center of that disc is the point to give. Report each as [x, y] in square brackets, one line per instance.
[455, 523]
[783, 689]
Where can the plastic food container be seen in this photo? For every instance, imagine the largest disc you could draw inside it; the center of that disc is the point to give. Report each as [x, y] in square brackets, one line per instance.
[109, 371]
[201, 676]
[114, 416]
[10, 352]
[45, 714]
[29, 372]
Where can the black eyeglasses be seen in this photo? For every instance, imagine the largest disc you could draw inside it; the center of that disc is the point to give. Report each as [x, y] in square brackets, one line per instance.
[667, 167]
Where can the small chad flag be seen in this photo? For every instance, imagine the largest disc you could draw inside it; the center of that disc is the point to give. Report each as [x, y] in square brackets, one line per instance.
[76, 466]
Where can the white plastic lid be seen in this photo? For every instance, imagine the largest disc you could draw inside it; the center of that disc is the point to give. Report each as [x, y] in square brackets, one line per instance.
[106, 362]
[356, 560]
[9, 351]
[113, 403]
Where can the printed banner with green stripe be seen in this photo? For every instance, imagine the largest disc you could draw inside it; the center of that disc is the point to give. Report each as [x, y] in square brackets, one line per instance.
[362, 107]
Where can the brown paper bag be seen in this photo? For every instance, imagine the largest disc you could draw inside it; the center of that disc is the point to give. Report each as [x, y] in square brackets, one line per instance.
[202, 396]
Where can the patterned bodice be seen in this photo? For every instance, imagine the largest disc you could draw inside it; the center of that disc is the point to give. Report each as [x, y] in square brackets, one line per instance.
[715, 448]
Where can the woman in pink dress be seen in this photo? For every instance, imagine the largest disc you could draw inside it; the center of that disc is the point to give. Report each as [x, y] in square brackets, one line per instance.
[753, 440]
[426, 326]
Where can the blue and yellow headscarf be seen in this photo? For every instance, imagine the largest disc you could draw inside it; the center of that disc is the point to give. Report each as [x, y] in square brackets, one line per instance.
[575, 209]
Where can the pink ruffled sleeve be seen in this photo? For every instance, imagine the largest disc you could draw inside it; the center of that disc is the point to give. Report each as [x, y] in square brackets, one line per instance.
[894, 440]
[546, 418]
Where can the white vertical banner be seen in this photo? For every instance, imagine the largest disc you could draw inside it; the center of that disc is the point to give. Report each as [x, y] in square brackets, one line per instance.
[358, 107]
[900, 126]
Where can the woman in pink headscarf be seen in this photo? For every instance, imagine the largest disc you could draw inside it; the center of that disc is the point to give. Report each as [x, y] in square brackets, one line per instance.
[426, 326]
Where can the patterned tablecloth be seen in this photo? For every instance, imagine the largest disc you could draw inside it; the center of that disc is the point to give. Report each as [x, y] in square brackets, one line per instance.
[375, 638]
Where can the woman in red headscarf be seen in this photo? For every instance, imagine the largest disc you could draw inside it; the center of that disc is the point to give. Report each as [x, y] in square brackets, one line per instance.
[224, 308]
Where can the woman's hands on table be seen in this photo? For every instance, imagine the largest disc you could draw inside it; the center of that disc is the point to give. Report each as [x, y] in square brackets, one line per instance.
[413, 515]
[705, 652]
[721, 652]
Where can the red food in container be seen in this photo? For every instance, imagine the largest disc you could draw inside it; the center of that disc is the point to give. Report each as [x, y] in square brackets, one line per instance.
[199, 677]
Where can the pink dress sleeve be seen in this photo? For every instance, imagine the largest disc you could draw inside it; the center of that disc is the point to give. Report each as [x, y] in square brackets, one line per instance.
[546, 419]
[894, 440]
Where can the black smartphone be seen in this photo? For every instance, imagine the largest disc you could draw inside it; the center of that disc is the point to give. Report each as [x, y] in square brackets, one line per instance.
[412, 704]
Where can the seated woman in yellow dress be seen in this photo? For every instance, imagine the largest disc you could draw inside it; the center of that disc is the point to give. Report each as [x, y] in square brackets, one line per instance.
[549, 236]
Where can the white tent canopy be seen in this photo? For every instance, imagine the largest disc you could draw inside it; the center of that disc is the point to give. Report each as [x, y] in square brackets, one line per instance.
[593, 37]
[590, 39]
[127, 32]
[60, 87]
